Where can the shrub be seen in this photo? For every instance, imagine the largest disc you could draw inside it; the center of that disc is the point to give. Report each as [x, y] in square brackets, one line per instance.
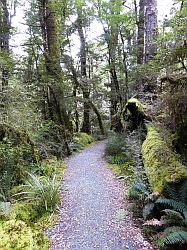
[50, 140]
[47, 167]
[115, 145]
[81, 140]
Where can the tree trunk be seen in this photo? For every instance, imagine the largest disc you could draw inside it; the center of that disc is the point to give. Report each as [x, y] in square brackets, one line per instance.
[69, 63]
[52, 53]
[86, 127]
[150, 29]
[98, 117]
[52, 61]
[115, 95]
[4, 39]
[140, 38]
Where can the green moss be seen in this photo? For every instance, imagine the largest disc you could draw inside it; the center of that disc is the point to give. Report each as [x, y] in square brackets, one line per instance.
[138, 104]
[49, 167]
[161, 164]
[123, 170]
[25, 212]
[16, 234]
[82, 140]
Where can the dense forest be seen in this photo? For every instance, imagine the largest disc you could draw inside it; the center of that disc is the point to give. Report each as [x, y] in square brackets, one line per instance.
[90, 71]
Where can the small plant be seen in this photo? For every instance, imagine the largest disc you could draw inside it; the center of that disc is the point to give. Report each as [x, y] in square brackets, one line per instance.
[138, 190]
[117, 159]
[116, 145]
[42, 191]
[174, 238]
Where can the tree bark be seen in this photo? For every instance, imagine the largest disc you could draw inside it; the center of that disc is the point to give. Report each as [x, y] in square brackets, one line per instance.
[150, 29]
[140, 38]
[4, 39]
[86, 127]
[52, 53]
[52, 61]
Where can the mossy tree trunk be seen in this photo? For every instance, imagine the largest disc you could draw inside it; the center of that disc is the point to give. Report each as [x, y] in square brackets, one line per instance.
[51, 43]
[151, 26]
[115, 93]
[4, 38]
[55, 89]
[86, 127]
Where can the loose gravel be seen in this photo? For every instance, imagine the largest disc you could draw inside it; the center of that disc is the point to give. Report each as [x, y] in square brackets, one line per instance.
[93, 213]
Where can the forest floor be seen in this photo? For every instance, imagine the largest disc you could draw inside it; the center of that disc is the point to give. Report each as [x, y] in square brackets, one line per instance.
[94, 210]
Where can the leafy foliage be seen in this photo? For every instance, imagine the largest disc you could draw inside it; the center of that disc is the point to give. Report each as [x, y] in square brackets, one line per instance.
[138, 190]
[176, 238]
[117, 159]
[115, 145]
[42, 191]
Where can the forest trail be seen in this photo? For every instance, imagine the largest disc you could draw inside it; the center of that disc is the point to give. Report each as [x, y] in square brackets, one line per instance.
[92, 214]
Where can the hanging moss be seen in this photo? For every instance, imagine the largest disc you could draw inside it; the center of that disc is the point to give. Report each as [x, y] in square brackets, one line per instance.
[17, 154]
[17, 138]
[161, 164]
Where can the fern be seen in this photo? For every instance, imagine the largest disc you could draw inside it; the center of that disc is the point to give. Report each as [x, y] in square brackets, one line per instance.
[178, 192]
[173, 217]
[183, 192]
[117, 159]
[147, 210]
[175, 238]
[176, 205]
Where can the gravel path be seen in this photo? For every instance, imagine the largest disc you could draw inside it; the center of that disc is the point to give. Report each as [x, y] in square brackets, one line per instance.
[92, 214]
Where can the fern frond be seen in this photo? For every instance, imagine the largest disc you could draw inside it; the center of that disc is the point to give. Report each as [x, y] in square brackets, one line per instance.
[147, 210]
[178, 237]
[140, 187]
[176, 205]
[173, 215]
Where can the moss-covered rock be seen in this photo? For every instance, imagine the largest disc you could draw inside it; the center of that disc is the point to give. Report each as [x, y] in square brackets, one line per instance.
[161, 164]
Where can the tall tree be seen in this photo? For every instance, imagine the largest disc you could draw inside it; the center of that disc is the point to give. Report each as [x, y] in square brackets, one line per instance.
[112, 34]
[150, 29]
[4, 38]
[52, 53]
[140, 21]
[83, 61]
